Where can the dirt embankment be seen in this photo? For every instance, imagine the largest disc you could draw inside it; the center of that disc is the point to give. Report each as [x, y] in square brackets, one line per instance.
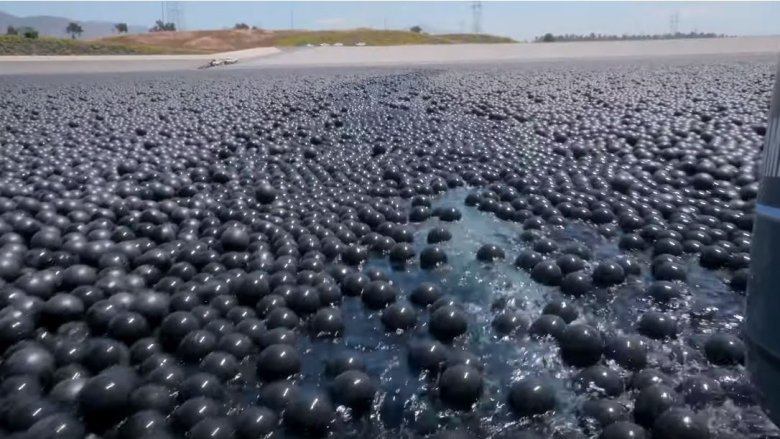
[240, 39]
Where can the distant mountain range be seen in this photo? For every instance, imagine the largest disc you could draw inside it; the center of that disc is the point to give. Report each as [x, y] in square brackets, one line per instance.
[55, 26]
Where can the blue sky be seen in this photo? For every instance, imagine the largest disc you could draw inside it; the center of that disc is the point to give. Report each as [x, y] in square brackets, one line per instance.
[518, 20]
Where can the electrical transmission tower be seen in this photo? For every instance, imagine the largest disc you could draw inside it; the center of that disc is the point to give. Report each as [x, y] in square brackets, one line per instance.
[674, 23]
[175, 13]
[476, 16]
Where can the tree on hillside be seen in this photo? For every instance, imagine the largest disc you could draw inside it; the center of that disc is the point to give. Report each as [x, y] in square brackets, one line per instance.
[27, 32]
[159, 26]
[416, 29]
[241, 26]
[74, 29]
[11, 31]
[548, 38]
[121, 28]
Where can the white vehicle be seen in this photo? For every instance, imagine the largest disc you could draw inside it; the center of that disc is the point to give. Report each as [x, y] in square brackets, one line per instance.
[229, 61]
[309, 45]
[324, 44]
[361, 44]
[338, 44]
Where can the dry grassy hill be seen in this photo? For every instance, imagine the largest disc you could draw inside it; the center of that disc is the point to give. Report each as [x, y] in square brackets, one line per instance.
[229, 40]
[16, 45]
[206, 42]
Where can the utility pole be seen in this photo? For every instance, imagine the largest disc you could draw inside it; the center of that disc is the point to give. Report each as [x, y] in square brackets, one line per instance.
[476, 16]
[292, 19]
[384, 21]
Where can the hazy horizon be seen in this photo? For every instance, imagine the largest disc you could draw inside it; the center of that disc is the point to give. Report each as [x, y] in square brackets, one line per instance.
[519, 20]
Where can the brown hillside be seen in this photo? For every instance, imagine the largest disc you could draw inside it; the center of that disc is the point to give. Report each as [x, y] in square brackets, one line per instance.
[208, 41]
[214, 41]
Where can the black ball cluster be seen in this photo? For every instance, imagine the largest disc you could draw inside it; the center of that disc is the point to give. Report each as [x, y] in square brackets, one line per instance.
[190, 255]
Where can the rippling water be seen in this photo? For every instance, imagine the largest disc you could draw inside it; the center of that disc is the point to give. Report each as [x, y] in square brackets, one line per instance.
[408, 405]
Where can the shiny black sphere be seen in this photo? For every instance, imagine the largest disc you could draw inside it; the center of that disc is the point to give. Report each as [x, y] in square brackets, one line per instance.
[448, 322]
[724, 350]
[277, 362]
[460, 386]
[652, 401]
[309, 414]
[254, 422]
[532, 396]
[354, 389]
[581, 345]
[680, 423]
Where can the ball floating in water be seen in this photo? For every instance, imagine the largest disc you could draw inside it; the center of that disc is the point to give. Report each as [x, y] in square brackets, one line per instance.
[724, 349]
[460, 386]
[581, 345]
[532, 396]
[490, 253]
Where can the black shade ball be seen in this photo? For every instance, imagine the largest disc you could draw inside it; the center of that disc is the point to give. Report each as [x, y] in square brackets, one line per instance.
[327, 322]
[510, 323]
[680, 423]
[438, 234]
[528, 259]
[57, 426]
[460, 386]
[254, 422]
[425, 294]
[576, 284]
[399, 317]
[432, 257]
[191, 411]
[105, 399]
[623, 430]
[548, 325]
[547, 273]
[561, 308]
[608, 274]
[427, 355]
[653, 400]
[657, 325]
[354, 389]
[277, 362]
[665, 291]
[629, 351]
[581, 345]
[490, 253]
[604, 411]
[599, 380]
[309, 414]
[212, 428]
[532, 396]
[448, 322]
[724, 350]
[701, 391]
